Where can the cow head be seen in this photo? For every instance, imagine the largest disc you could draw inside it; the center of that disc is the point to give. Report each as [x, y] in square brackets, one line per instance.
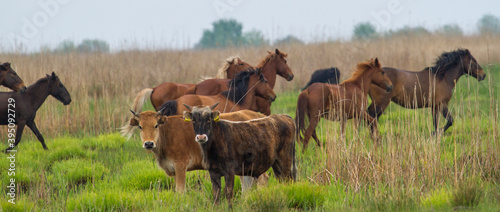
[149, 123]
[202, 117]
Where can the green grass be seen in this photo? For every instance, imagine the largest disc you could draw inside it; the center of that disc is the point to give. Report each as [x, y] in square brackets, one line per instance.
[411, 170]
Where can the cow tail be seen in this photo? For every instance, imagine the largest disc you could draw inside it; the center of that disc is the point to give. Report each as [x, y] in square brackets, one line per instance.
[300, 115]
[169, 108]
[127, 130]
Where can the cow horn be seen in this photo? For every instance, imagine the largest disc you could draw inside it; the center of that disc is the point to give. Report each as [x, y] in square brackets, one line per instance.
[188, 107]
[135, 114]
[213, 106]
[160, 112]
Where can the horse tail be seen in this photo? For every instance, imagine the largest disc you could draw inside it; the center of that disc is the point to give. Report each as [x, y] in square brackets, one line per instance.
[307, 85]
[140, 99]
[169, 108]
[127, 130]
[301, 114]
[294, 165]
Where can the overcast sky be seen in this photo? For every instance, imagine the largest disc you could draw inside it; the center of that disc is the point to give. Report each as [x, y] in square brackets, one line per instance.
[179, 24]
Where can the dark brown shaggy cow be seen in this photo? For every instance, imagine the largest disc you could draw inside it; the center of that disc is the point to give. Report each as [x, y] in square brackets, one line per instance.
[244, 148]
[171, 140]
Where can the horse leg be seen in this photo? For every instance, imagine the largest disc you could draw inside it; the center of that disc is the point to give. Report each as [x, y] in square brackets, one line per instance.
[372, 122]
[19, 133]
[34, 129]
[315, 136]
[435, 121]
[448, 117]
[309, 131]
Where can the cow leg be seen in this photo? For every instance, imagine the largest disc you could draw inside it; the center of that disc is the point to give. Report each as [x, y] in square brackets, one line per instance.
[448, 117]
[180, 177]
[216, 186]
[228, 188]
[31, 124]
[19, 133]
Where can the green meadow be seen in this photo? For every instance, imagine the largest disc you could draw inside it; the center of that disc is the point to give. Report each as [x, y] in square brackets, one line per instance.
[410, 170]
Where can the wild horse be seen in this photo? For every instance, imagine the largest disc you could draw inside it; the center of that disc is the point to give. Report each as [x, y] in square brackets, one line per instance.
[431, 87]
[10, 79]
[23, 107]
[340, 102]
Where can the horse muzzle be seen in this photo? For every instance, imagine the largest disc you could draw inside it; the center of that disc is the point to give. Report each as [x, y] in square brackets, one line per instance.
[389, 88]
[289, 78]
[481, 77]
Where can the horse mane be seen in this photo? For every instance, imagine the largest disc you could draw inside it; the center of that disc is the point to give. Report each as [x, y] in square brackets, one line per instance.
[238, 86]
[268, 57]
[448, 60]
[361, 68]
[38, 82]
[225, 66]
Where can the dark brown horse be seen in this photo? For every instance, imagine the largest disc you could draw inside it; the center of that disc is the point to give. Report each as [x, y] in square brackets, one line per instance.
[431, 87]
[171, 91]
[340, 102]
[273, 64]
[27, 104]
[249, 85]
[10, 79]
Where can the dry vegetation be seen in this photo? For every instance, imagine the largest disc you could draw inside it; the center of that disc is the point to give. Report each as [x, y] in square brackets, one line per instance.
[411, 167]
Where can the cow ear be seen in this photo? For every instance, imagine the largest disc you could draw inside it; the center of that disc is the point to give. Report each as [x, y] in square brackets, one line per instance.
[215, 115]
[188, 116]
[162, 120]
[133, 122]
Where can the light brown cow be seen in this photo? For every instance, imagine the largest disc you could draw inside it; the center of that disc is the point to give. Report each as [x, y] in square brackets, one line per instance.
[171, 140]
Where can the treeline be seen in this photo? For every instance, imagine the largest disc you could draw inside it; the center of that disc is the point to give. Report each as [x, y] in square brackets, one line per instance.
[86, 46]
[229, 33]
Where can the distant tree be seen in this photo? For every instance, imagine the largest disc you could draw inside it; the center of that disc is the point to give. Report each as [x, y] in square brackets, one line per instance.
[290, 39]
[254, 38]
[450, 29]
[409, 31]
[489, 24]
[89, 46]
[225, 33]
[65, 46]
[364, 30]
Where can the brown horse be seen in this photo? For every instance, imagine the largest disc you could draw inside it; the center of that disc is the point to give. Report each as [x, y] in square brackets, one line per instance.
[27, 104]
[248, 85]
[171, 91]
[340, 102]
[273, 64]
[10, 79]
[431, 87]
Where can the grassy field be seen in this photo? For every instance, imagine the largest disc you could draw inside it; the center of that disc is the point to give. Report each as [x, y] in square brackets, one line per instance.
[91, 167]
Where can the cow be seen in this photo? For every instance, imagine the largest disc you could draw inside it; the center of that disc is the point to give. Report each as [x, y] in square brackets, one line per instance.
[244, 148]
[327, 75]
[171, 140]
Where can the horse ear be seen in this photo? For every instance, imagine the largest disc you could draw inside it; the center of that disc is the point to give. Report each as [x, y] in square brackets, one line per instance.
[2, 67]
[277, 51]
[7, 65]
[467, 51]
[54, 75]
[259, 70]
[377, 64]
[269, 52]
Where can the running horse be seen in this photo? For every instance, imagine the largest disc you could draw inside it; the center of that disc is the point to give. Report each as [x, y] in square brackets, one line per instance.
[273, 64]
[168, 91]
[431, 87]
[249, 85]
[10, 79]
[340, 102]
[26, 105]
